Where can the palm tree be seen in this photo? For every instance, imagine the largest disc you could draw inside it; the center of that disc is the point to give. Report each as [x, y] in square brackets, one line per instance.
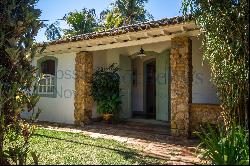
[125, 12]
[80, 22]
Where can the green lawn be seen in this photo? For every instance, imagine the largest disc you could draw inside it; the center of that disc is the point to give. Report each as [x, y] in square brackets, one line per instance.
[57, 147]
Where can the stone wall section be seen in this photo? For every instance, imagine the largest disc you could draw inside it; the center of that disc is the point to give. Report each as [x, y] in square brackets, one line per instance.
[181, 85]
[83, 77]
[204, 113]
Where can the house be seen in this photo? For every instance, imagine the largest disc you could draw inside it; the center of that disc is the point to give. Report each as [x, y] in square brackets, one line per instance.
[163, 76]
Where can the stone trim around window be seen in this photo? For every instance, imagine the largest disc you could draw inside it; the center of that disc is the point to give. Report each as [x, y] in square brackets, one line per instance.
[39, 61]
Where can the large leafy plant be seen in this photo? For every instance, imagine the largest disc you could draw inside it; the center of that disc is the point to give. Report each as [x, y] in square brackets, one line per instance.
[110, 105]
[225, 147]
[106, 89]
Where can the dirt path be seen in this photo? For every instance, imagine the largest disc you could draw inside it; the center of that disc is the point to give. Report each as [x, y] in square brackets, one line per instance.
[176, 151]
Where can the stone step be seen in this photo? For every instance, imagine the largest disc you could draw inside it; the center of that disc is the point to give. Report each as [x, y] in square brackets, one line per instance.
[149, 128]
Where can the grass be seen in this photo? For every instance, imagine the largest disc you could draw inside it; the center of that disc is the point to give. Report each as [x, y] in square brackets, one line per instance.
[57, 147]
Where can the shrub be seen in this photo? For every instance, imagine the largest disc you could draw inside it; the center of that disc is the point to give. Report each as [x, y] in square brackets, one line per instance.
[110, 105]
[106, 89]
[226, 147]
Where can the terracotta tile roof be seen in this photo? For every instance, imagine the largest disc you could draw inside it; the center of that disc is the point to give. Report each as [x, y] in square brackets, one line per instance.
[124, 29]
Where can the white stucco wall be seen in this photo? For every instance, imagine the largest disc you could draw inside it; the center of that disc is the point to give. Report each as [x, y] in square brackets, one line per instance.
[61, 108]
[203, 91]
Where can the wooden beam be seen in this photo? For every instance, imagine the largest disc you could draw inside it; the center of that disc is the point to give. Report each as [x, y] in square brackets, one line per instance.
[143, 41]
[184, 29]
[166, 32]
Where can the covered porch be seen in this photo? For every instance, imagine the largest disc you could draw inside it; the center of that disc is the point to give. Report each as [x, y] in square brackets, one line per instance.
[157, 86]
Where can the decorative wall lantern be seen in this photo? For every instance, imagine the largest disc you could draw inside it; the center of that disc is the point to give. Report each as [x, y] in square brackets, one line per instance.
[141, 53]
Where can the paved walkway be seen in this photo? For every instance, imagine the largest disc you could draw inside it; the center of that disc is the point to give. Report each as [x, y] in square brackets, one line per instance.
[176, 151]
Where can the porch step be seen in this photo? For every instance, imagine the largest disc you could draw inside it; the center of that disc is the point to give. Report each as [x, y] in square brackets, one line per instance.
[153, 128]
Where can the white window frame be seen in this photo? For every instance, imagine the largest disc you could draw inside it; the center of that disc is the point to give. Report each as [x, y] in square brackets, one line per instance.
[48, 87]
[50, 80]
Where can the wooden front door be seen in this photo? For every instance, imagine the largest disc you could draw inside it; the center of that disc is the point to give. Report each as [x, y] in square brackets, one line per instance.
[150, 90]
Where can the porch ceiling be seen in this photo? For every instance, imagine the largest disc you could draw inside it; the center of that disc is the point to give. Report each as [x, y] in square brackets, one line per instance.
[147, 36]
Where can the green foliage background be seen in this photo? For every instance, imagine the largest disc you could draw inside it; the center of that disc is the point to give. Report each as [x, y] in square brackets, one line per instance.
[19, 25]
[125, 12]
[120, 13]
[80, 22]
[225, 33]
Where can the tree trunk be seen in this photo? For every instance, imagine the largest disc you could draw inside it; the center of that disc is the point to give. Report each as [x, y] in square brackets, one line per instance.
[3, 160]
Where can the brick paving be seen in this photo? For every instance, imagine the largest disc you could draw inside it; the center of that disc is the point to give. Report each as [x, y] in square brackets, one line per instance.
[176, 151]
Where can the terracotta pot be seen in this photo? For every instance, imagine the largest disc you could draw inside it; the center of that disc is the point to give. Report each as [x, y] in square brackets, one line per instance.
[107, 117]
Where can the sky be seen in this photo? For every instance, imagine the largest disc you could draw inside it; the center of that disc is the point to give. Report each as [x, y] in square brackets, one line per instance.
[56, 9]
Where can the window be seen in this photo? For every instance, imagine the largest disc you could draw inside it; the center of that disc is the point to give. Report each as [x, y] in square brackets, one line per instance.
[47, 77]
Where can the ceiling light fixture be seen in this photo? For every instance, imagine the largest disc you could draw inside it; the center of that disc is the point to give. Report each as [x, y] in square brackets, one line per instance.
[141, 53]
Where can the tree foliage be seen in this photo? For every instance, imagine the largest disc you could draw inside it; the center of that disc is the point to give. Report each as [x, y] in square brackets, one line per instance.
[125, 12]
[111, 19]
[80, 22]
[122, 12]
[225, 31]
[19, 25]
[53, 31]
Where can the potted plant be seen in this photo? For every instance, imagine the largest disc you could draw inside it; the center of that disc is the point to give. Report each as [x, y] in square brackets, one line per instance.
[106, 91]
[109, 107]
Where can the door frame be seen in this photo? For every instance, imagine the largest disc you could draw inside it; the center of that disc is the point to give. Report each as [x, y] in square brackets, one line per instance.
[154, 55]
